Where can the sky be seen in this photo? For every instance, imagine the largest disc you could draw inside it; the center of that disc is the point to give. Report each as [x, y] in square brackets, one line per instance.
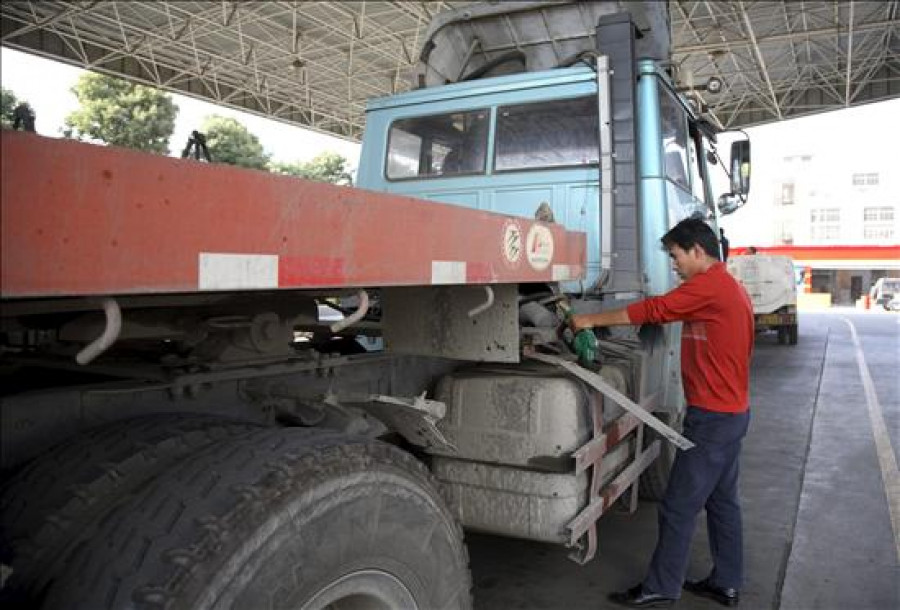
[862, 138]
[47, 85]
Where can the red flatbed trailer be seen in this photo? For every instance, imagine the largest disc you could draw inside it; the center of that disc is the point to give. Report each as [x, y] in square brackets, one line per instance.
[80, 219]
[220, 351]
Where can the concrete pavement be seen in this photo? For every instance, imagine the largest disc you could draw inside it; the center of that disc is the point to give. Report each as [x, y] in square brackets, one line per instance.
[817, 527]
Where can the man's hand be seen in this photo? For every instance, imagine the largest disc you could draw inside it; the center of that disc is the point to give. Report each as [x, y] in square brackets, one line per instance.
[581, 322]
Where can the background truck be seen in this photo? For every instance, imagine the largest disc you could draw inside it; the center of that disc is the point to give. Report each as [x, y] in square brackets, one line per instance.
[186, 421]
[885, 292]
[771, 282]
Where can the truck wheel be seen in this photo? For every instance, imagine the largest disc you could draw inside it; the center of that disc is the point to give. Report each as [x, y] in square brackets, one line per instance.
[48, 503]
[782, 335]
[653, 481]
[793, 334]
[293, 518]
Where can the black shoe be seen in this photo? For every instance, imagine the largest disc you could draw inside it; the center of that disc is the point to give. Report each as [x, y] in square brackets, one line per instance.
[636, 597]
[726, 597]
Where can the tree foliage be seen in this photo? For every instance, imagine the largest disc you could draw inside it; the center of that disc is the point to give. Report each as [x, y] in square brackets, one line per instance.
[121, 113]
[230, 142]
[326, 167]
[8, 103]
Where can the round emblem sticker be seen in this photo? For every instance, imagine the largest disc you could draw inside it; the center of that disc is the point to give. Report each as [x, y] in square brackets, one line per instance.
[539, 247]
[512, 242]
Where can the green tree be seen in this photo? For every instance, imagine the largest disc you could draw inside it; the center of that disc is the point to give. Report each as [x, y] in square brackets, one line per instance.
[121, 113]
[230, 142]
[325, 167]
[8, 103]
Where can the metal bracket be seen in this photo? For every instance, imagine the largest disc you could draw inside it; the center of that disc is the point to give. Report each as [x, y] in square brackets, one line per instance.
[591, 454]
[413, 418]
[585, 522]
[597, 382]
[606, 441]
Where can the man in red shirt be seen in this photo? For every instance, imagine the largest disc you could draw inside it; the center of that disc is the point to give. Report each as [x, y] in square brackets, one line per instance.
[716, 346]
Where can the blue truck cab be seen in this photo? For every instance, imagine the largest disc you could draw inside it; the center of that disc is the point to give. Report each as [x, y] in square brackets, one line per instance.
[519, 143]
[606, 145]
[601, 141]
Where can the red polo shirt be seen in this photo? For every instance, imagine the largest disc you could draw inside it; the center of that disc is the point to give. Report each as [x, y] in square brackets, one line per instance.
[716, 338]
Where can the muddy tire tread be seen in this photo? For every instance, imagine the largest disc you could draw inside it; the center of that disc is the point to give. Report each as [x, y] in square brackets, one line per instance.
[169, 538]
[95, 471]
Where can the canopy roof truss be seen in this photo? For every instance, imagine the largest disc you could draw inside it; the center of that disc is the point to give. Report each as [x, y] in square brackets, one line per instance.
[784, 59]
[314, 64]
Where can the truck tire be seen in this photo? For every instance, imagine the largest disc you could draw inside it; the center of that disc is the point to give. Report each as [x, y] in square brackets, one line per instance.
[654, 480]
[278, 518]
[782, 335]
[793, 334]
[47, 505]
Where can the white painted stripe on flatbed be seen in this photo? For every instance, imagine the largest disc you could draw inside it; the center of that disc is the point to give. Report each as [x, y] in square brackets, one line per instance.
[561, 273]
[887, 460]
[448, 272]
[219, 271]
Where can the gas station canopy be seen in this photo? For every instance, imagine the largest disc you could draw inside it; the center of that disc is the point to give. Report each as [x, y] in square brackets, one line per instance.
[314, 64]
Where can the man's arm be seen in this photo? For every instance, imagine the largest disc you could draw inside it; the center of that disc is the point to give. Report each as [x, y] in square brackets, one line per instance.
[615, 317]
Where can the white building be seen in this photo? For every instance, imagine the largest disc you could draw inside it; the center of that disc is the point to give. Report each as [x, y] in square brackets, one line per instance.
[856, 205]
[825, 202]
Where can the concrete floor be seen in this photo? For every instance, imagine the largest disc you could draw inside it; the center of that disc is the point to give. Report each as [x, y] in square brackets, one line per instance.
[817, 527]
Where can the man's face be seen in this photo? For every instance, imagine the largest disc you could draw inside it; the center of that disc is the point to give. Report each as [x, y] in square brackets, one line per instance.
[687, 262]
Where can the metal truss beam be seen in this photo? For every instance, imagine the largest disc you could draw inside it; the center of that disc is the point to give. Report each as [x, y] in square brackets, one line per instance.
[315, 64]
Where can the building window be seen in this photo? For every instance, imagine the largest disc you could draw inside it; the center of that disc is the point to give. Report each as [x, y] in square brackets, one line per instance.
[825, 223]
[822, 280]
[878, 223]
[787, 233]
[787, 193]
[865, 179]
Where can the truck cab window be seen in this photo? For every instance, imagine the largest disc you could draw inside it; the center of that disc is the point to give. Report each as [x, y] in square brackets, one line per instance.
[698, 145]
[675, 139]
[559, 133]
[438, 145]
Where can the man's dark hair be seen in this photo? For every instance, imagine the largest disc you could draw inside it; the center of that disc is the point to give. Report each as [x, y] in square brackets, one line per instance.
[690, 232]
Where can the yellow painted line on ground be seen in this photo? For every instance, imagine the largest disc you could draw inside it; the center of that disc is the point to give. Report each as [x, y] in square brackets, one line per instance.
[887, 459]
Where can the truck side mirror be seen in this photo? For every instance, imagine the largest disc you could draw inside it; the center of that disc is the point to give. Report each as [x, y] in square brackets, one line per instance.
[728, 204]
[740, 167]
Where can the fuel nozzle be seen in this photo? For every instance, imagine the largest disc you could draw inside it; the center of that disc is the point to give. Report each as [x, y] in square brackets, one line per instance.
[583, 343]
[585, 346]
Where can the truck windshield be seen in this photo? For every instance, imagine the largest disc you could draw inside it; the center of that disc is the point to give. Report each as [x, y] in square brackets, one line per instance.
[438, 145]
[891, 286]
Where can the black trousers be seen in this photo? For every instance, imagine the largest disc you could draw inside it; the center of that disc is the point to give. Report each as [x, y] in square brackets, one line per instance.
[705, 476]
